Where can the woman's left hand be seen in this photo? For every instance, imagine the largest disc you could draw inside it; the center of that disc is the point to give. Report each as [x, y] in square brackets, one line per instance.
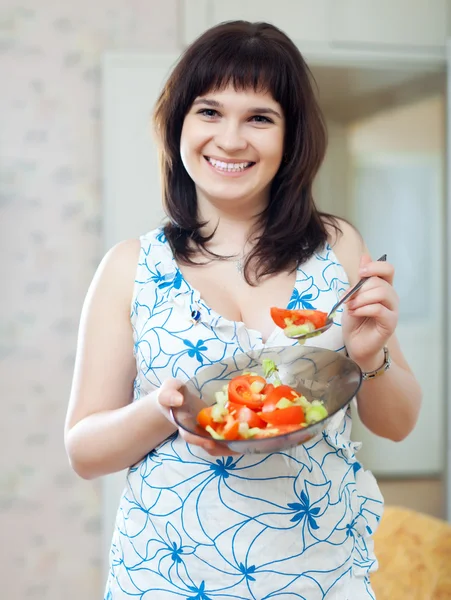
[371, 315]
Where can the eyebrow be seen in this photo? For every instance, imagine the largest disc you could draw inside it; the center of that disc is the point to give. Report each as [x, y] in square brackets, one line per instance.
[261, 110]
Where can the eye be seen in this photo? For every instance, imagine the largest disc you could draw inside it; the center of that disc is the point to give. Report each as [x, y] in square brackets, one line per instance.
[210, 113]
[261, 119]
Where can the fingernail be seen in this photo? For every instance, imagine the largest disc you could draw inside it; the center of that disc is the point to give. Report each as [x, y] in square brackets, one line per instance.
[175, 400]
[363, 271]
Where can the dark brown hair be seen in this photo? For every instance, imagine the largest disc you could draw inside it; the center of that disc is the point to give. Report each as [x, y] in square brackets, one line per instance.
[258, 56]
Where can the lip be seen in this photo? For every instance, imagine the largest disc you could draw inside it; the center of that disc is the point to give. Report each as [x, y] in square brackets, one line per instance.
[228, 173]
[228, 160]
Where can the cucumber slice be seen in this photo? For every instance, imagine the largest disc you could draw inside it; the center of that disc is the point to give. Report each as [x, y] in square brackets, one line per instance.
[315, 413]
[284, 403]
[213, 433]
[293, 330]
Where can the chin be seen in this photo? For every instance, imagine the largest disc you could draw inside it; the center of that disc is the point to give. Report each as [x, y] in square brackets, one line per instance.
[227, 198]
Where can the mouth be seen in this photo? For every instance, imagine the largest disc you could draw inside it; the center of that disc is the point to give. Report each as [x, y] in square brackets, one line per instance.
[229, 167]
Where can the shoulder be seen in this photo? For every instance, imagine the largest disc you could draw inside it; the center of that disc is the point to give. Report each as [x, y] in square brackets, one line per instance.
[347, 244]
[115, 275]
[122, 256]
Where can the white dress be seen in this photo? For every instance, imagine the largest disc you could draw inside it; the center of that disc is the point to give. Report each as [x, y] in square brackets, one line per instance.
[190, 526]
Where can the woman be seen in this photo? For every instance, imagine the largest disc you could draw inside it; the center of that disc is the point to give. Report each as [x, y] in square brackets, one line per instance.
[242, 138]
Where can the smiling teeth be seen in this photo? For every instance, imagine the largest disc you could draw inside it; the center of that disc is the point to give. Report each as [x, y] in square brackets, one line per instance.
[222, 166]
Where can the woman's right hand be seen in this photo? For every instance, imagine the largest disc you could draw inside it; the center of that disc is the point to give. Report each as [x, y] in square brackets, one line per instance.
[168, 396]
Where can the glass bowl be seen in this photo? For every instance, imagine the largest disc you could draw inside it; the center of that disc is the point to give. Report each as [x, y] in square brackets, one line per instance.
[314, 372]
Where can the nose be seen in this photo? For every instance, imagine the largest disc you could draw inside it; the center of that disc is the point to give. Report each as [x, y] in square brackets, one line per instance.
[230, 137]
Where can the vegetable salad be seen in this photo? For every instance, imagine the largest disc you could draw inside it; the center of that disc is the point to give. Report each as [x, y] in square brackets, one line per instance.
[252, 407]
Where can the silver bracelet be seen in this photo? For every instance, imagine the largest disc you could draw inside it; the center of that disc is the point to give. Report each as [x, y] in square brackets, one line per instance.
[381, 370]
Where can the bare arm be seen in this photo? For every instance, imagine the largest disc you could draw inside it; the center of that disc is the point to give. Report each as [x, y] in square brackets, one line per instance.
[105, 431]
[388, 405]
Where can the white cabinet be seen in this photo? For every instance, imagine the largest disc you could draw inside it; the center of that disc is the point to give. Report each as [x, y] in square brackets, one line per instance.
[302, 20]
[405, 23]
[328, 26]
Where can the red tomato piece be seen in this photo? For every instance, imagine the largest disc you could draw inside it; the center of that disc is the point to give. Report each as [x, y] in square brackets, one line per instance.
[276, 394]
[204, 418]
[284, 429]
[247, 415]
[293, 415]
[244, 414]
[240, 392]
[267, 389]
[253, 378]
[298, 317]
[230, 430]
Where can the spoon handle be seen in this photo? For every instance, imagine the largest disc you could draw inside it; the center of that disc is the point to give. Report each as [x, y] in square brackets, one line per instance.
[353, 290]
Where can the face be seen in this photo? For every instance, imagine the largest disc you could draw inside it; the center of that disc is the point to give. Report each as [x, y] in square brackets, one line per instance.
[232, 146]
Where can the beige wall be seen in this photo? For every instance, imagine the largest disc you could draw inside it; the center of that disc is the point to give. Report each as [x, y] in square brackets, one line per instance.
[331, 189]
[419, 127]
[50, 243]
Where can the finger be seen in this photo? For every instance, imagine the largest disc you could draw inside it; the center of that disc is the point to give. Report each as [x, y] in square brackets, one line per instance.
[169, 395]
[196, 440]
[375, 311]
[365, 259]
[377, 268]
[208, 445]
[369, 284]
[171, 384]
[382, 294]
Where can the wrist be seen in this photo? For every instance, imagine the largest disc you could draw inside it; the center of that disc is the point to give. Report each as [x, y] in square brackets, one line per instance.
[370, 363]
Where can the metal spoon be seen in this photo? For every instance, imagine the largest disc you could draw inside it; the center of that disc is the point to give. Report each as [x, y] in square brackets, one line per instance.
[329, 321]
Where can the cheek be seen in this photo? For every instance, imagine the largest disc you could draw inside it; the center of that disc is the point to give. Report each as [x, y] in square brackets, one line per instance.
[274, 151]
[191, 143]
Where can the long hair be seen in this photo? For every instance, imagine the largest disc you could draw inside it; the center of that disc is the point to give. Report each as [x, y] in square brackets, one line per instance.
[254, 56]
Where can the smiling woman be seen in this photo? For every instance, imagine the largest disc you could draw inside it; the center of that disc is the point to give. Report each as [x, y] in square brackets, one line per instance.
[242, 138]
[273, 129]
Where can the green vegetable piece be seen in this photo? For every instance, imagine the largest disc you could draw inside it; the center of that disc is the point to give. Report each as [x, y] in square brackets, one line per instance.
[284, 403]
[315, 413]
[293, 330]
[302, 401]
[214, 434]
[269, 367]
[221, 398]
[243, 430]
[218, 413]
[255, 430]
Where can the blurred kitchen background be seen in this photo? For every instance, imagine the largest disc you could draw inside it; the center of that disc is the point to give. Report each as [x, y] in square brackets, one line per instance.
[78, 172]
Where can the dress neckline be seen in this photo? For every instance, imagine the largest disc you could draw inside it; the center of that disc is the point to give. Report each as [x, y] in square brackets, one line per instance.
[197, 296]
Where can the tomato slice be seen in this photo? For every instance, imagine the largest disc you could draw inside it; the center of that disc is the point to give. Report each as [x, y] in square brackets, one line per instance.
[293, 415]
[204, 418]
[276, 394]
[246, 415]
[240, 392]
[317, 317]
[230, 430]
[254, 378]
[267, 389]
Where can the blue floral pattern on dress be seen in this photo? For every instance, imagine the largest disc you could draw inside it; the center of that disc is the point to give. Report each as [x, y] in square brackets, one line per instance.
[190, 526]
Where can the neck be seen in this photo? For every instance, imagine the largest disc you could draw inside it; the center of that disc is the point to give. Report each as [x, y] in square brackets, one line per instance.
[233, 227]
